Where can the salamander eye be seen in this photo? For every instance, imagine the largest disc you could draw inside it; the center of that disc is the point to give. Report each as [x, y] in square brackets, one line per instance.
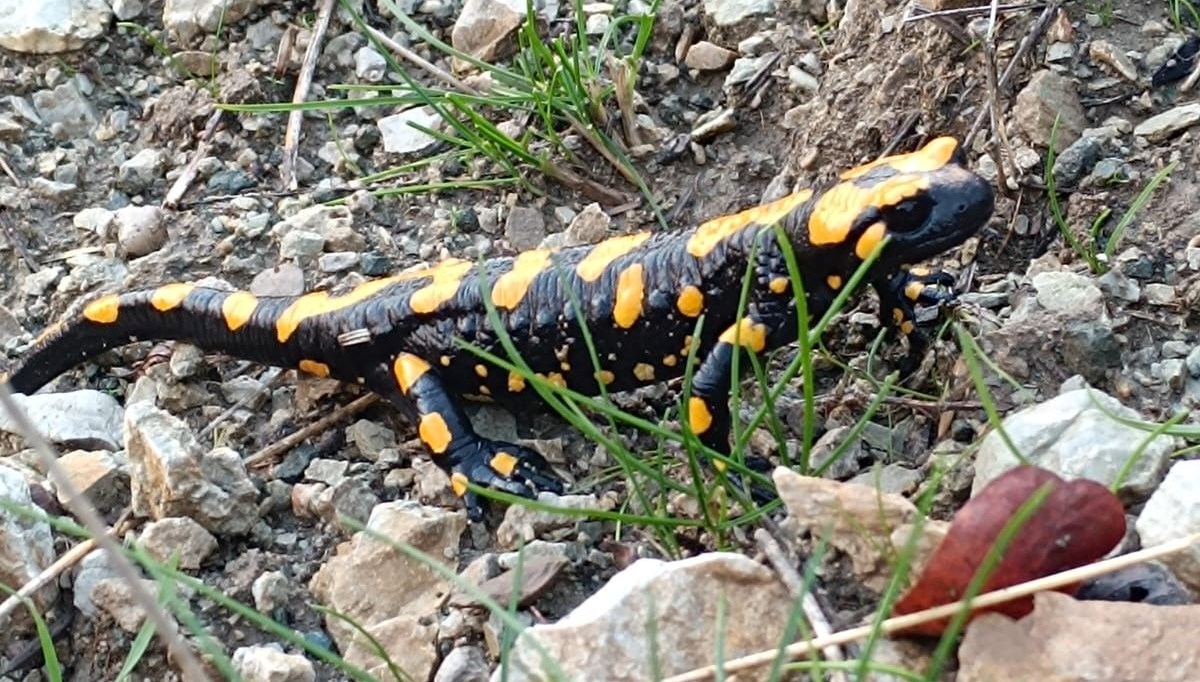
[908, 215]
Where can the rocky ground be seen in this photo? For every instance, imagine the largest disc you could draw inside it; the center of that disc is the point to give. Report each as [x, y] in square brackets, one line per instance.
[106, 107]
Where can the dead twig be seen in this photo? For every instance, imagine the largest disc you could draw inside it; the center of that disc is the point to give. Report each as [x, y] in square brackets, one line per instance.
[900, 623]
[272, 377]
[1031, 38]
[181, 184]
[269, 454]
[920, 13]
[291, 138]
[785, 566]
[17, 244]
[61, 564]
[82, 508]
[9, 172]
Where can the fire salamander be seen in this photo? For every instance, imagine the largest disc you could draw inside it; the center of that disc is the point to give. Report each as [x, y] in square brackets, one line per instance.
[639, 294]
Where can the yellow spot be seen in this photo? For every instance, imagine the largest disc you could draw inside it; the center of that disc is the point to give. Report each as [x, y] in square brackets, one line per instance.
[606, 377]
[746, 333]
[434, 432]
[445, 282]
[556, 379]
[607, 251]
[643, 371]
[407, 369]
[631, 286]
[481, 371]
[919, 271]
[699, 415]
[445, 360]
[103, 310]
[516, 382]
[869, 240]
[237, 309]
[717, 230]
[670, 360]
[837, 209]
[169, 296]
[319, 302]
[897, 315]
[690, 301]
[834, 282]
[913, 290]
[314, 368]
[503, 463]
[458, 483]
[484, 390]
[511, 287]
[906, 327]
[779, 285]
[934, 155]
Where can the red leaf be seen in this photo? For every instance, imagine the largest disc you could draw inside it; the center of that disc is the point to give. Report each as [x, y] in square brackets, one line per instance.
[1077, 523]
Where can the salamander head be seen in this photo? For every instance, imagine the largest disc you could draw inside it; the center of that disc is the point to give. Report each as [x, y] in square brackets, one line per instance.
[926, 202]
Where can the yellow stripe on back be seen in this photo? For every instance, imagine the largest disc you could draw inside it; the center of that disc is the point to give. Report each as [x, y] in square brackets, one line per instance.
[934, 155]
[717, 230]
[607, 251]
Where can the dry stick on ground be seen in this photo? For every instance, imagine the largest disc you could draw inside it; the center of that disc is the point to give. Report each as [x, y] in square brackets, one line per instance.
[267, 455]
[920, 13]
[899, 623]
[17, 244]
[1000, 144]
[1191, 79]
[51, 572]
[785, 566]
[1031, 39]
[180, 187]
[84, 511]
[9, 172]
[291, 138]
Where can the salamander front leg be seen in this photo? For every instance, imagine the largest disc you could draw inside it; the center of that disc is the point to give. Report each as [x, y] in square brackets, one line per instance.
[456, 448]
[708, 406]
[899, 294]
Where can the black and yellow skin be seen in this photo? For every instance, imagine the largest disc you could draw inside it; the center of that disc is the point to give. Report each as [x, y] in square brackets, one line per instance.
[640, 297]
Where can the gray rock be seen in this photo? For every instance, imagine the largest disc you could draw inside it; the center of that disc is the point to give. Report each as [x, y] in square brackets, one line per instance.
[338, 261]
[301, 244]
[26, 545]
[101, 477]
[114, 597]
[370, 438]
[1175, 120]
[1068, 292]
[285, 279]
[386, 592]
[351, 502]
[173, 476]
[732, 12]
[187, 19]
[1116, 284]
[140, 230]
[65, 111]
[139, 173]
[802, 80]
[485, 28]
[1173, 512]
[1193, 362]
[680, 599]
[891, 478]
[1076, 161]
[126, 10]
[1160, 294]
[1072, 437]
[87, 419]
[264, 663]
[590, 226]
[92, 570]
[49, 26]
[524, 228]
[463, 664]
[1049, 95]
[270, 591]
[1089, 348]
[95, 219]
[51, 190]
[400, 137]
[369, 65]
[178, 538]
[328, 471]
